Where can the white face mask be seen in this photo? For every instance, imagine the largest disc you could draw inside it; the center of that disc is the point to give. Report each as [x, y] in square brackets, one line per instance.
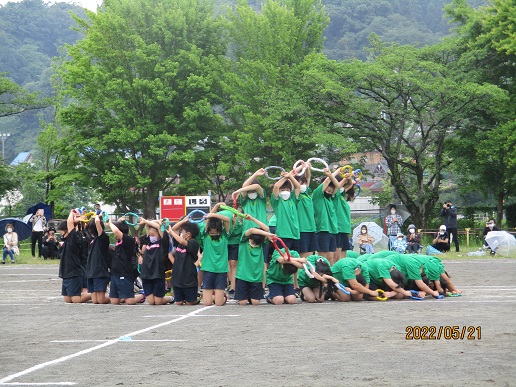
[341, 189]
[251, 244]
[285, 195]
[441, 232]
[9, 229]
[303, 188]
[490, 225]
[412, 231]
[393, 212]
[252, 195]
[153, 239]
[364, 231]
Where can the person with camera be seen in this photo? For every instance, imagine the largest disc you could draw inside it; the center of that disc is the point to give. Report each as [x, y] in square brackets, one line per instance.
[449, 212]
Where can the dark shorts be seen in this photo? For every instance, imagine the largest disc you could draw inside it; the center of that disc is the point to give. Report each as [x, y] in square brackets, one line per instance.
[374, 286]
[185, 294]
[97, 284]
[281, 290]
[121, 287]
[292, 244]
[245, 290]
[154, 287]
[326, 241]
[72, 286]
[233, 252]
[342, 241]
[308, 242]
[214, 280]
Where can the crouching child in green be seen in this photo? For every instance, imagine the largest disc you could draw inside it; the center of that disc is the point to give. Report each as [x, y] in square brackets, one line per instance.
[251, 264]
[185, 261]
[280, 278]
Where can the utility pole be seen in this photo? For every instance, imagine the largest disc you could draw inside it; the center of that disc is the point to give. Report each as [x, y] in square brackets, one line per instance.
[4, 137]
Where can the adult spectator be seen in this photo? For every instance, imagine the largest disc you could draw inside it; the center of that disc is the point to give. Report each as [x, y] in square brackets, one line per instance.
[393, 222]
[39, 222]
[490, 226]
[10, 243]
[441, 240]
[449, 212]
[50, 244]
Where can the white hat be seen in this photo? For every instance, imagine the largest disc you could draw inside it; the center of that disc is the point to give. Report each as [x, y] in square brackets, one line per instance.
[442, 227]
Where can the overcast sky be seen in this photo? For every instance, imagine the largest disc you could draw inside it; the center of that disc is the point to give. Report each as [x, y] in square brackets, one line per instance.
[90, 4]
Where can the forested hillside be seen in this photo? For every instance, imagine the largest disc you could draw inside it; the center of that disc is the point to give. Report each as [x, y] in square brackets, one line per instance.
[31, 33]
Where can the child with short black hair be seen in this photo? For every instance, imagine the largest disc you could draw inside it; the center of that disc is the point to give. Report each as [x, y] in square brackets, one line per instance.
[280, 279]
[122, 277]
[184, 272]
[285, 208]
[215, 259]
[152, 263]
[71, 268]
[99, 260]
[305, 212]
[250, 269]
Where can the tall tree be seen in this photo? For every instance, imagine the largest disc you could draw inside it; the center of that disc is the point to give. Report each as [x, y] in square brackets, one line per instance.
[485, 148]
[139, 91]
[404, 103]
[14, 99]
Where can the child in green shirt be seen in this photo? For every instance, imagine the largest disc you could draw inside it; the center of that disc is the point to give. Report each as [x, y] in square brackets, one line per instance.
[280, 279]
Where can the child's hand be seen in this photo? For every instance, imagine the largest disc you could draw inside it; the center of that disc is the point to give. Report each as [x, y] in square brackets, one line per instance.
[260, 172]
[209, 215]
[327, 172]
[142, 221]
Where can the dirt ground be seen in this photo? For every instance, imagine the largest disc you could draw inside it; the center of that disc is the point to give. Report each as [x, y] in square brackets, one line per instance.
[47, 342]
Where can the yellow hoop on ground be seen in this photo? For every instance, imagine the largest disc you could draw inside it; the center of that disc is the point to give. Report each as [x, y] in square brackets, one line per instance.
[378, 297]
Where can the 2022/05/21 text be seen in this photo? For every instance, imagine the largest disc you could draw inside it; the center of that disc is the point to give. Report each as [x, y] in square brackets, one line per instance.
[443, 332]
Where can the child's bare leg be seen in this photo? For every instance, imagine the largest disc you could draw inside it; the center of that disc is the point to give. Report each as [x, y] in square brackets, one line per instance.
[220, 298]
[290, 299]
[207, 297]
[308, 294]
[278, 300]
[232, 273]
[341, 296]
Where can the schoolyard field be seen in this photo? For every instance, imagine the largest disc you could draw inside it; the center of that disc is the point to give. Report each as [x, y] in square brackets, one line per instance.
[468, 340]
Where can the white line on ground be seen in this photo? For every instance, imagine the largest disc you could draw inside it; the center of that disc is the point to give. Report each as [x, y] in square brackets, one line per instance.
[38, 384]
[100, 346]
[197, 315]
[104, 341]
[20, 281]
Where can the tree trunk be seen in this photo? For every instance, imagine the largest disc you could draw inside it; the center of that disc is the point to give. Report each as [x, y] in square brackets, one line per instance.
[499, 207]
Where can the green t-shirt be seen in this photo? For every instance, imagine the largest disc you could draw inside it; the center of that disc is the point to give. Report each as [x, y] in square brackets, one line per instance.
[352, 254]
[365, 257]
[325, 213]
[236, 232]
[275, 273]
[344, 270]
[377, 269]
[287, 223]
[250, 262]
[305, 212]
[433, 267]
[384, 253]
[272, 221]
[303, 279]
[343, 213]
[257, 208]
[409, 264]
[215, 254]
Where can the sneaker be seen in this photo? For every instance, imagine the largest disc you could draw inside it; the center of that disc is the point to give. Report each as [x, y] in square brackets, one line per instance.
[3, 262]
[231, 293]
[12, 261]
[172, 300]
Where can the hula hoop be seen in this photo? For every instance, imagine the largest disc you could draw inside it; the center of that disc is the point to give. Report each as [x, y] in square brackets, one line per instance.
[318, 160]
[105, 216]
[359, 172]
[88, 216]
[307, 270]
[132, 214]
[415, 295]
[231, 209]
[196, 212]
[382, 297]
[285, 255]
[344, 169]
[358, 192]
[164, 224]
[273, 167]
[450, 294]
[296, 165]
[170, 273]
[235, 205]
[343, 289]
[439, 297]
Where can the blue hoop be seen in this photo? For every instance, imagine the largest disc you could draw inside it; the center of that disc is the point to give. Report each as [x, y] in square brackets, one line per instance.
[196, 212]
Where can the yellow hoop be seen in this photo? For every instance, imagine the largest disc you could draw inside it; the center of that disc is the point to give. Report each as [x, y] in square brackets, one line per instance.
[380, 291]
[344, 169]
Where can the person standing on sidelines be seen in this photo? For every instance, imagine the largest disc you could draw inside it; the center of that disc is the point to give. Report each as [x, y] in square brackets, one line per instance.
[449, 213]
[39, 223]
[393, 223]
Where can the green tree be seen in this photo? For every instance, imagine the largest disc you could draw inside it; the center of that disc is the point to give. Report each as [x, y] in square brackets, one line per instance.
[486, 49]
[268, 107]
[140, 91]
[404, 103]
[14, 99]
